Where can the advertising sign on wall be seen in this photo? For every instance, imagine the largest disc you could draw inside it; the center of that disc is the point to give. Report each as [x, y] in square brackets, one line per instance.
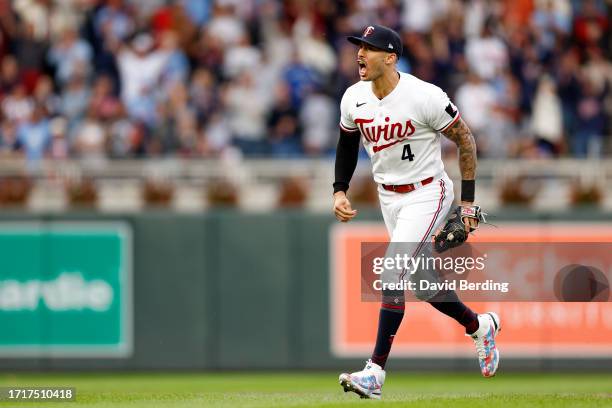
[529, 328]
[65, 289]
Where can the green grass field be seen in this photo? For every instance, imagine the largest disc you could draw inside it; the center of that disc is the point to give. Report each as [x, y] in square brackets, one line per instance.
[320, 389]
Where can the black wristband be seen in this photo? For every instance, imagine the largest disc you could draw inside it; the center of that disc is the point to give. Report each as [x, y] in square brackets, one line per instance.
[468, 188]
[340, 186]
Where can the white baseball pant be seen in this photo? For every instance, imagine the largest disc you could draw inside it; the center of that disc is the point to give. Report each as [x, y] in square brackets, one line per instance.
[411, 219]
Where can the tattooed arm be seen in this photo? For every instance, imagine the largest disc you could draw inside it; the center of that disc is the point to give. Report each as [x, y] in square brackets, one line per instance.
[462, 136]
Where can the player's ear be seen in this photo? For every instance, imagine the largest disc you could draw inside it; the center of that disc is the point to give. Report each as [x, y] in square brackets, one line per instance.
[391, 59]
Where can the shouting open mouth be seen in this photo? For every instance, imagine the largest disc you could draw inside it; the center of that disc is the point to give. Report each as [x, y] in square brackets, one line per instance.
[362, 68]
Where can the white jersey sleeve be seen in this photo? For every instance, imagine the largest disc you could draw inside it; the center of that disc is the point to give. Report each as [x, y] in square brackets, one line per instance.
[346, 118]
[439, 112]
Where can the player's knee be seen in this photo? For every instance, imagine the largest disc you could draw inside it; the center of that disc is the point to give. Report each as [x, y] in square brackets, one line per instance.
[424, 295]
[444, 296]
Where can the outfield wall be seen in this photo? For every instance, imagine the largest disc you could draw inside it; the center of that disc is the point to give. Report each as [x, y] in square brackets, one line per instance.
[220, 290]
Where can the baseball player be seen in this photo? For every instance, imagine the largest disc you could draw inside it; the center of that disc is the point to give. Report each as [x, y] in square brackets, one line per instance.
[399, 119]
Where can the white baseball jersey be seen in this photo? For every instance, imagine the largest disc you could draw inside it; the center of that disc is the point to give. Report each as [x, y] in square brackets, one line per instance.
[400, 132]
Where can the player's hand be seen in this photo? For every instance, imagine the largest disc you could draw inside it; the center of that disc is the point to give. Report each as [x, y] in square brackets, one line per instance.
[342, 207]
[470, 223]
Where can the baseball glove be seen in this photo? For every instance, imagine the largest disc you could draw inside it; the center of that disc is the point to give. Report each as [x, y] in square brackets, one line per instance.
[454, 234]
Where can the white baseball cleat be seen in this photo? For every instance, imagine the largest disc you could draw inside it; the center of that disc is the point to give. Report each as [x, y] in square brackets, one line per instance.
[366, 383]
[484, 339]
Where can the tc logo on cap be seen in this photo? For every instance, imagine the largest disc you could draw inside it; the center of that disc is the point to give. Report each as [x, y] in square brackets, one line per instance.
[368, 31]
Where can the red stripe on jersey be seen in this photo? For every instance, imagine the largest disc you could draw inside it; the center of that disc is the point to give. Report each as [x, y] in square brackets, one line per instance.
[348, 129]
[433, 221]
[450, 124]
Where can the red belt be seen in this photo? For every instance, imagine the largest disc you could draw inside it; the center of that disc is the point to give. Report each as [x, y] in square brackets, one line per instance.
[406, 188]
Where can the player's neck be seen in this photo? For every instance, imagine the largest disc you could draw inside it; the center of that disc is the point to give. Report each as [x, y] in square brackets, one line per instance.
[385, 84]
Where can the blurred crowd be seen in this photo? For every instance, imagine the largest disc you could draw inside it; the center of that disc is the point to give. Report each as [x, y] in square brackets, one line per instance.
[99, 79]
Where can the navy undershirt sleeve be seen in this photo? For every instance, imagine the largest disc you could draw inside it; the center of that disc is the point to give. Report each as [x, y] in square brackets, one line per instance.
[347, 154]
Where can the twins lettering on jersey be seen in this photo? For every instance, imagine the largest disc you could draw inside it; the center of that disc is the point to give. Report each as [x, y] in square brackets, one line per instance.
[392, 133]
[401, 132]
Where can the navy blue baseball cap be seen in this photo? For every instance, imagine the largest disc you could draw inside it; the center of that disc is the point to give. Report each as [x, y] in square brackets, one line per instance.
[380, 37]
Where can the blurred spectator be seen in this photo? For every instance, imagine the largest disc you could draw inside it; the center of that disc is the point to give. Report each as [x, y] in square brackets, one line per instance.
[203, 93]
[283, 122]
[551, 21]
[318, 121]
[8, 27]
[75, 99]
[103, 99]
[126, 138]
[269, 75]
[145, 9]
[43, 95]
[313, 50]
[58, 146]
[476, 13]
[503, 132]
[240, 57]
[568, 85]
[208, 52]
[9, 74]
[34, 135]
[427, 62]
[285, 137]
[8, 139]
[70, 55]
[598, 70]
[475, 100]
[197, 10]
[17, 106]
[184, 120]
[588, 139]
[216, 136]
[141, 67]
[35, 15]
[89, 138]
[345, 74]
[164, 137]
[113, 20]
[529, 73]
[547, 117]
[30, 53]
[301, 79]
[176, 65]
[486, 55]
[246, 114]
[175, 18]
[419, 15]
[591, 25]
[225, 25]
